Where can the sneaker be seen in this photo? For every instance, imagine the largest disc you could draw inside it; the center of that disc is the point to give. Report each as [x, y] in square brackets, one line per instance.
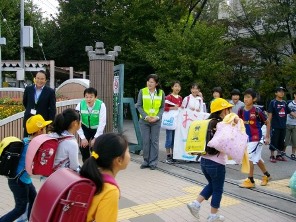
[293, 157]
[194, 210]
[247, 184]
[280, 158]
[265, 180]
[175, 161]
[152, 167]
[215, 218]
[143, 166]
[169, 161]
[272, 159]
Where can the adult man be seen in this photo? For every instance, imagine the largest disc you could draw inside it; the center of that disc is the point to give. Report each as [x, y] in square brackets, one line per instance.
[235, 93]
[39, 99]
[93, 120]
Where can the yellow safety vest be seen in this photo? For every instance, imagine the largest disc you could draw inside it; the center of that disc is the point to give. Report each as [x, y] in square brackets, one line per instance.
[151, 104]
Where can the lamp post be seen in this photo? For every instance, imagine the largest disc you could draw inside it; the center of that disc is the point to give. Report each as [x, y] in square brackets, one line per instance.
[2, 42]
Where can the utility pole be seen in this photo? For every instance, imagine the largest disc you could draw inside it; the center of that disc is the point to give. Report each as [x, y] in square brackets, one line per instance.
[22, 52]
[2, 42]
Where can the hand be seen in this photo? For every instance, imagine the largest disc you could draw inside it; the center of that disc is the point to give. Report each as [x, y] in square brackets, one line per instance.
[267, 141]
[92, 142]
[84, 143]
[153, 119]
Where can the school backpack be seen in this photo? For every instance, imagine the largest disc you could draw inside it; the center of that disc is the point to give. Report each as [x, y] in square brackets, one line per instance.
[199, 134]
[41, 155]
[11, 149]
[65, 196]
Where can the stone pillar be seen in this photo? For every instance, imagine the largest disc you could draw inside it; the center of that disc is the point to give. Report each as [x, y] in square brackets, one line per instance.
[101, 77]
[71, 72]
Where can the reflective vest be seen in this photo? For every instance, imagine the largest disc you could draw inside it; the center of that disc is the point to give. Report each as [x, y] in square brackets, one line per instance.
[151, 104]
[90, 119]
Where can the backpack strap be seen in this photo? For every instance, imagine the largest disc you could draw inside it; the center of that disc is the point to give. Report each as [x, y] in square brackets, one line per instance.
[188, 97]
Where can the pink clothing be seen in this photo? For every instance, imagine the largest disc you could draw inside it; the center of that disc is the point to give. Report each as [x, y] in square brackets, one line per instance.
[218, 158]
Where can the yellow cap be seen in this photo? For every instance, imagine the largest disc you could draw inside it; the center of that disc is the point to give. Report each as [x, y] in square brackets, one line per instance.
[6, 141]
[219, 104]
[35, 123]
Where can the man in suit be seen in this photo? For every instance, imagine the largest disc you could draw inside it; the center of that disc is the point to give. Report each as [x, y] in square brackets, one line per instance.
[39, 99]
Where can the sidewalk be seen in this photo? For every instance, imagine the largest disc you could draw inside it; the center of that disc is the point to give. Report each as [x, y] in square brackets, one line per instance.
[153, 196]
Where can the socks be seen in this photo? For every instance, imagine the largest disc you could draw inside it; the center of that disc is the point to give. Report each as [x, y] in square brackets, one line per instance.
[267, 174]
[196, 203]
[251, 179]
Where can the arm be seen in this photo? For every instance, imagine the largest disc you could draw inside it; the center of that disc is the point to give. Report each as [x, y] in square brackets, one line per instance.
[268, 126]
[52, 105]
[139, 105]
[102, 124]
[80, 131]
[159, 114]
[73, 151]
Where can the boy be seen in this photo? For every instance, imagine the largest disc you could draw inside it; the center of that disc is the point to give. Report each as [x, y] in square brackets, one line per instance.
[93, 120]
[291, 127]
[254, 118]
[277, 116]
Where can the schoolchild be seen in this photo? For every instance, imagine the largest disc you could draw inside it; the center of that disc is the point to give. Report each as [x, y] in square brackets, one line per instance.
[216, 93]
[66, 125]
[235, 101]
[195, 100]
[93, 120]
[110, 155]
[213, 167]
[253, 119]
[291, 128]
[176, 99]
[22, 187]
[277, 115]
[150, 105]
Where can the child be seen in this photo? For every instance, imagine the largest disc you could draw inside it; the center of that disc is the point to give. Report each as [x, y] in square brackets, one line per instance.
[277, 116]
[291, 128]
[110, 155]
[254, 118]
[22, 187]
[237, 104]
[213, 167]
[195, 100]
[217, 93]
[66, 124]
[170, 134]
[93, 119]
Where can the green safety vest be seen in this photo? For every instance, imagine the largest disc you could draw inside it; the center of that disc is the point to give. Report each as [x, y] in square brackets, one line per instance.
[90, 119]
[151, 104]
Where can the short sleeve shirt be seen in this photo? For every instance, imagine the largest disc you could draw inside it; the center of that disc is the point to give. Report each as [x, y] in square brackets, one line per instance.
[290, 119]
[279, 110]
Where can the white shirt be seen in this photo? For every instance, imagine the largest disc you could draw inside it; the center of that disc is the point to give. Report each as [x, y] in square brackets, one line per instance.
[195, 103]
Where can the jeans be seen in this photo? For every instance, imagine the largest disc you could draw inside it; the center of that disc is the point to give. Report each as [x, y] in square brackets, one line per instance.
[23, 194]
[215, 174]
[169, 139]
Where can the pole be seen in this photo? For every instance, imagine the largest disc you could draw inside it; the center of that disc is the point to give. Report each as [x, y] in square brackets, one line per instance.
[22, 51]
[0, 61]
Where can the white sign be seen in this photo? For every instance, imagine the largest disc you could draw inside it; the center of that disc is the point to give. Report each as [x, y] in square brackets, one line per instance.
[116, 84]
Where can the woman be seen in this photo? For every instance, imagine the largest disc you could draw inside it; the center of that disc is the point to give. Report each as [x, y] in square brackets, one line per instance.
[213, 167]
[150, 105]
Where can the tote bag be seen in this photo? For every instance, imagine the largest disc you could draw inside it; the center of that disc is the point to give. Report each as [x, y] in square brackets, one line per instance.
[230, 138]
[169, 118]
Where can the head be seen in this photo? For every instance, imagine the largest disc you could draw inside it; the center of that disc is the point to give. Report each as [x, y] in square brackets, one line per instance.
[68, 120]
[195, 89]
[90, 95]
[294, 95]
[217, 92]
[153, 82]
[250, 97]
[110, 153]
[40, 79]
[36, 125]
[279, 92]
[235, 94]
[220, 108]
[176, 87]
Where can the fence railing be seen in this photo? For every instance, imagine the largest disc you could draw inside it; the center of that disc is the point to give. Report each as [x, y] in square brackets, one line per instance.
[13, 125]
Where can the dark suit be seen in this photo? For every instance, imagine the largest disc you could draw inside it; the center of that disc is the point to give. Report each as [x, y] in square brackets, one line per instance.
[46, 105]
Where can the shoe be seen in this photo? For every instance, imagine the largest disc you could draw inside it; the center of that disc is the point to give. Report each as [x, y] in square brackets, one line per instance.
[152, 167]
[280, 158]
[143, 166]
[247, 184]
[272, 159]
[169, 161]
[293, 157]
[265, 180]
[215, 218]
[194, 210]
[175, 161]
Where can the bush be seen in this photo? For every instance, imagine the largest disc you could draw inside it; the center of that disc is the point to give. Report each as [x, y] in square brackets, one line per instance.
[10, 106]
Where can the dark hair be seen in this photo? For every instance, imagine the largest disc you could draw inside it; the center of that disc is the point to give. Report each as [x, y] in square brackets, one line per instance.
[250, 92]
[108, 146]
[193, 85]
[218, 89]
[90, 90]
[216, 115]
[235, 92]
[156, 79]
[63, 120]
[43, 72]
[175, 82]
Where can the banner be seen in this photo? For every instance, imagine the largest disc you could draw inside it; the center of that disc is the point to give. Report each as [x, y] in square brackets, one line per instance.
[185, 117]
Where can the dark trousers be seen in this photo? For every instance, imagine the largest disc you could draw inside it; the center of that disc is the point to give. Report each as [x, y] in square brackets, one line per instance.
[23, 194]
[89, 135]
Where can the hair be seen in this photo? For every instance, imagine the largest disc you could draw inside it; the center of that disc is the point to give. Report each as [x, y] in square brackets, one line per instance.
[218, 89]
[156, 79]
[108, 146]
[216, 115]
[250, 92]
[294, 93]
[90, 90]
[43, 72]
[193, 85]
[63, 120]
[175, 82]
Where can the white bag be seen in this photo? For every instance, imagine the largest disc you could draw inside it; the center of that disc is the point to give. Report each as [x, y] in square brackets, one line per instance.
[169, 120]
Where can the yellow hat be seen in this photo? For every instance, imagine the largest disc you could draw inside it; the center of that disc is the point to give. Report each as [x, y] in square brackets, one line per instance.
[219, 104]
[35, 123]
[6, 141]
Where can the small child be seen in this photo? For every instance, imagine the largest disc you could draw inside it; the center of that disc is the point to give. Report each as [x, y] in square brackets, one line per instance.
[110, 155]
[195, 100]
[254, 118]
[170, 134]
